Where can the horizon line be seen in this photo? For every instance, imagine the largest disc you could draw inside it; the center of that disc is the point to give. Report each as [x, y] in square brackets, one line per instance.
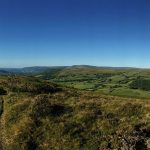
[132, 67]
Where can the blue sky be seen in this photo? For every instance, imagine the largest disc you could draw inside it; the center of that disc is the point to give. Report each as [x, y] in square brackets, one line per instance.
[72, 32]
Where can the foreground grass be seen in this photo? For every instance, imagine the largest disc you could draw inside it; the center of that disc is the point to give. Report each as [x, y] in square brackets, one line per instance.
[63, 119]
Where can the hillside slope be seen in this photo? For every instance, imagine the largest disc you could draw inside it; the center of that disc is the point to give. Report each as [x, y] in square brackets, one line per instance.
[41, 115]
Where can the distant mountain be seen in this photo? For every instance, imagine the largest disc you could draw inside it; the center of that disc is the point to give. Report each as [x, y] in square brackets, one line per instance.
[34, 70]
[30, 70]
[55, 70]
[11, 70]
[82, 66]
[26, 70]
[97, 67]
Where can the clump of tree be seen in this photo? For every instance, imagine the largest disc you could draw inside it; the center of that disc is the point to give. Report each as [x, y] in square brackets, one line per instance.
[141, 83]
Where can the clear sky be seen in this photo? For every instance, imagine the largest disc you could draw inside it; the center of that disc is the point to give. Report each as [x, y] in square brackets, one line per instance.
[72, 32]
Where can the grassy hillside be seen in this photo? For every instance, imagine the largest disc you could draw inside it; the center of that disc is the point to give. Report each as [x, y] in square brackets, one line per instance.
[40, 115]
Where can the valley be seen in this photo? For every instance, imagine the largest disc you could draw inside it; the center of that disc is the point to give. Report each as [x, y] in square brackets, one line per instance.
[124, 82]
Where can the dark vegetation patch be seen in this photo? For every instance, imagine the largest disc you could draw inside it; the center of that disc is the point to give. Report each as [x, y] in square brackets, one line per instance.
[1, 106]
[2, 91]
[32, 85]
[43, 106]
[141, 83]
